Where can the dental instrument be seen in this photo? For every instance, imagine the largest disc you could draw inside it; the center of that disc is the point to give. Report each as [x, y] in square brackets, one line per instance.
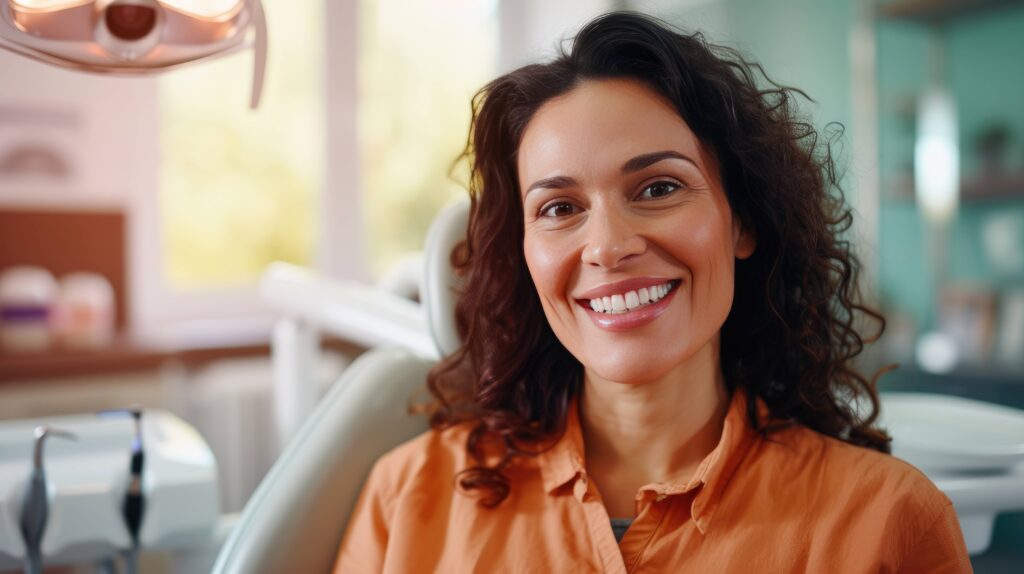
[35, 509]
[134, 505]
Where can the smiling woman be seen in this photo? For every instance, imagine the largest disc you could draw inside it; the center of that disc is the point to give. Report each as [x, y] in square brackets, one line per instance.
[660, 319]
[602, 233]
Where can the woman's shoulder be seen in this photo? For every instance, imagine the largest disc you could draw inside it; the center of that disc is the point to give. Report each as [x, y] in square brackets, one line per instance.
[863, 475]
[435, 453]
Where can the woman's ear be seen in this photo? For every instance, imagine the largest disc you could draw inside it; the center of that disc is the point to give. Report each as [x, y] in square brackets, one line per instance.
[744, 239]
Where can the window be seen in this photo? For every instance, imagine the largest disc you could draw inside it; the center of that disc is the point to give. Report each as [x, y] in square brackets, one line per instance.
[239, 188]
[342, 168]
[420, 62]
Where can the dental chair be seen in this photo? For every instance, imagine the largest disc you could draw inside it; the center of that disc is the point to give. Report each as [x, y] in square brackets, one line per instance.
[296, 518]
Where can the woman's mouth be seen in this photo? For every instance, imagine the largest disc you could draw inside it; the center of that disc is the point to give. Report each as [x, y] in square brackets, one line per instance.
[630, 309]
[629, 300]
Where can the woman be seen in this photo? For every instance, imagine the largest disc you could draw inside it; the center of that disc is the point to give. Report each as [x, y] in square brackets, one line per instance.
[660, 318]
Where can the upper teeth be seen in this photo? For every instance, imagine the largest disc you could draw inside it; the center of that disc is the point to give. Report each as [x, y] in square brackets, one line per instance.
[622, 302]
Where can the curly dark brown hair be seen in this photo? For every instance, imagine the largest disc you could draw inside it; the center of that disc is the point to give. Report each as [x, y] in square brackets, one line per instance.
[796, 320]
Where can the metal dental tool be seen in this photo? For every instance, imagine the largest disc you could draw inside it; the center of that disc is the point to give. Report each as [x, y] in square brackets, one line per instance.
[134, 505]
[36, 508]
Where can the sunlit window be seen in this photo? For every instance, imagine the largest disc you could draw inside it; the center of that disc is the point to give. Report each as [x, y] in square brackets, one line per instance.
[420, 63]
[239, 188]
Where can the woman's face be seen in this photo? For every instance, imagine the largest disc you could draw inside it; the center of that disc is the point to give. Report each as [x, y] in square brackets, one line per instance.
[629, 237]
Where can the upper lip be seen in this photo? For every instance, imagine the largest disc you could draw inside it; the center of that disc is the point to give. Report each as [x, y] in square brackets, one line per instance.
[619, 287]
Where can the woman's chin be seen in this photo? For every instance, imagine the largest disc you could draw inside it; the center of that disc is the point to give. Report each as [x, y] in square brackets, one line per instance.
[641, 362]
[633, 370]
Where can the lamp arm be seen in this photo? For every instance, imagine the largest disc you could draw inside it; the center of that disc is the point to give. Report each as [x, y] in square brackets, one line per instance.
[259, 63]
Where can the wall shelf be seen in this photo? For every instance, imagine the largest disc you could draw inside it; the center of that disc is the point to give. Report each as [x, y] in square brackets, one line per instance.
[936, 11]
[977, 189]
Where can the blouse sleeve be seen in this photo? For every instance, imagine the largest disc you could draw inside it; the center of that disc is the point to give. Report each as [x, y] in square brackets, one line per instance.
[366, 538]
[940, 548]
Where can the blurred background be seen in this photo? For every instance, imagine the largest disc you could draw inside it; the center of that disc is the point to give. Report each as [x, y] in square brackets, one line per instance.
[155, 204]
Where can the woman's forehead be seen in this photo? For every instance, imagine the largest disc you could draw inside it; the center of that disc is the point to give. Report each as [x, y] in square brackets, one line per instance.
[602, 123]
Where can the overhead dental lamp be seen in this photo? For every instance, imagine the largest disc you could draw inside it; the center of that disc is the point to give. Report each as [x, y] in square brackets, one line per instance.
[134, 37]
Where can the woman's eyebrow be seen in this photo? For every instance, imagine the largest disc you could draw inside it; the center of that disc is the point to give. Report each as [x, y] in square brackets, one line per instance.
[634, 164]
[557, 182]
[648, 159]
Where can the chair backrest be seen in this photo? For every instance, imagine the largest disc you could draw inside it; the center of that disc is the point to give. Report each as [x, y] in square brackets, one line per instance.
[295, 520]
[439, 281]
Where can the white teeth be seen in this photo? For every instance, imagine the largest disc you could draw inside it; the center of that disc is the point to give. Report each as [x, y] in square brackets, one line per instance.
[632, 300]
[622, 302]
[655, 294]
[618, 303]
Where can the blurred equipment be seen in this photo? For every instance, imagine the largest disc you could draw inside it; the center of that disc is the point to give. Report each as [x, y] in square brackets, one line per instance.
[134, 36]
[134, 503]
[1010, 350]
[35, 509]
[89, 487]
[972, 450]
[937, 157]
[937, 185]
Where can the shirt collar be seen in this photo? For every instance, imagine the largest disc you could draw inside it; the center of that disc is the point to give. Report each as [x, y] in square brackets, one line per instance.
[564, 462]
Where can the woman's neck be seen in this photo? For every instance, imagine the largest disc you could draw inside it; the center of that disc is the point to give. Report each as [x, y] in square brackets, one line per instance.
[656, 431]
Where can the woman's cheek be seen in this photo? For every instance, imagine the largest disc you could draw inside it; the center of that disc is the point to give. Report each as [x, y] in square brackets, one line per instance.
[544, 255]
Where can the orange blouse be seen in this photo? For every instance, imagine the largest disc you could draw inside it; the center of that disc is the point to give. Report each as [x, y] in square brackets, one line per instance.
[798, 501]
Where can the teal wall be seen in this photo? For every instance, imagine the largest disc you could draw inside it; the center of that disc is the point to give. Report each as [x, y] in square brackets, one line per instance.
[985, 71]
[800, 43]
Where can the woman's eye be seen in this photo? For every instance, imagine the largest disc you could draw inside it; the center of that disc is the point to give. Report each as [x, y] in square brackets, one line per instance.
[659, 189]
[560, 209]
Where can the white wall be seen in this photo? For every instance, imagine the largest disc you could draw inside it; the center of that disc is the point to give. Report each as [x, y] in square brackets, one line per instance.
[112, 137]
[531, 30]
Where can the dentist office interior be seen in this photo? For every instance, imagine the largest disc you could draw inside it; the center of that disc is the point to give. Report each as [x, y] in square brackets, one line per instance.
[210, 210]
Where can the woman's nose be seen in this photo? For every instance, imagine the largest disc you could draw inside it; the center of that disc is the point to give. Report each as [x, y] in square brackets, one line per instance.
[611, 238]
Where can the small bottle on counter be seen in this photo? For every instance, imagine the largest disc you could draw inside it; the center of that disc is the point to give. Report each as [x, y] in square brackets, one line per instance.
[84, 311]
[27, 294]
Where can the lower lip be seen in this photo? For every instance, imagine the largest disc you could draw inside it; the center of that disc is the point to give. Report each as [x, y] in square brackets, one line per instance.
[619, 322]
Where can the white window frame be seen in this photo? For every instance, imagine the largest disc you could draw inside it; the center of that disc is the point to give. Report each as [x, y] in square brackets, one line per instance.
[160, 310]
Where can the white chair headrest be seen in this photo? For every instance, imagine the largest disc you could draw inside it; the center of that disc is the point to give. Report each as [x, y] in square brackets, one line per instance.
[437, 292]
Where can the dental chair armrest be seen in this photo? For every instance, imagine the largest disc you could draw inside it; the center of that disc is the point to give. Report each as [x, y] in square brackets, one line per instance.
[351, 310]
